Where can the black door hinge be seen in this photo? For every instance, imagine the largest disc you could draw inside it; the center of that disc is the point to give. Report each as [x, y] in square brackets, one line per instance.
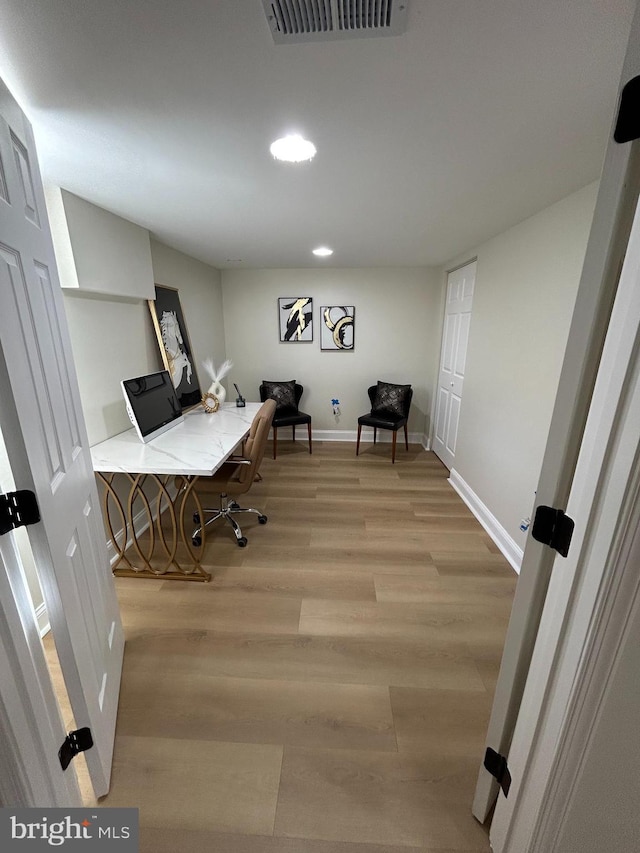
[75, 742]
[553, 528]
[18, 509]
[628, 122]
[496, 764]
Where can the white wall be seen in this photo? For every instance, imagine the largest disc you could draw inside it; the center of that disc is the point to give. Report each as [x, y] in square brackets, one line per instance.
[113, 337]
[397, 329]
[526, 283]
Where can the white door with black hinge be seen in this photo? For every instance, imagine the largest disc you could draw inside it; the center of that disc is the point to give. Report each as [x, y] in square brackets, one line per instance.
[31, 726]
[45, 436]
[453, 356]
[607, 254]
[577, 624]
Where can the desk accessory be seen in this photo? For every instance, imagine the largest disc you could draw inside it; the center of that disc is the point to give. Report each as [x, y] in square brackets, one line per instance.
[240, 401]
[210, 403]
[216, 376]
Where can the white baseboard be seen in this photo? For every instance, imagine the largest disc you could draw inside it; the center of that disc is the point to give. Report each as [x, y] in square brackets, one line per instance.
[384, 435]
[507, 545]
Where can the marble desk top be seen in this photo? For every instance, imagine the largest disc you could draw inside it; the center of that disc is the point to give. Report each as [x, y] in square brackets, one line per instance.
[197, 446]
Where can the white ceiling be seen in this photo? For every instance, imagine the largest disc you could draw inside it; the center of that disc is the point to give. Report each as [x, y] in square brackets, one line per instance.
[162, 111]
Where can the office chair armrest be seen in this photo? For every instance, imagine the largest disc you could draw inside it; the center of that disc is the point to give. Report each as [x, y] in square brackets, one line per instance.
[240, 460]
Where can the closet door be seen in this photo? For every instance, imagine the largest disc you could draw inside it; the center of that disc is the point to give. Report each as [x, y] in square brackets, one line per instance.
[455, 338]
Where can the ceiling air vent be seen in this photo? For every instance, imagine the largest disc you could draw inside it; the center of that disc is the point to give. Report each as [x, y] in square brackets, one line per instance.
[324, 20]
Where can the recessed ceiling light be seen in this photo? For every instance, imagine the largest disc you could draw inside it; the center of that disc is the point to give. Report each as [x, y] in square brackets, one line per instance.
[293, 149]
[323, 251]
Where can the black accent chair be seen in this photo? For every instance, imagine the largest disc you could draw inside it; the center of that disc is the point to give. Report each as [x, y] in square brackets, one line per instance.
[287, 396]
[390, 406]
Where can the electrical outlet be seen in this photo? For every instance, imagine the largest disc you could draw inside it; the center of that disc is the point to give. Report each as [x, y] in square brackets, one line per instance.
[335, 405]
[524, 524]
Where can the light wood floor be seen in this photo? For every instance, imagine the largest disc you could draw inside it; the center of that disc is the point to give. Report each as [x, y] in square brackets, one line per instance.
[329, 690]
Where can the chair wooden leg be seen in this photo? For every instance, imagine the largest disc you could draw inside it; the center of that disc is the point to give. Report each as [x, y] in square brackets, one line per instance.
[293, 432]
[309, 431]
[406, 437]
[375, 434]
[275, 441]
[393, 446]
[358, 441]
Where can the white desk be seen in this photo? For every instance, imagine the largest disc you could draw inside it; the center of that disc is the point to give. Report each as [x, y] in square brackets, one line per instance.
[162, 476]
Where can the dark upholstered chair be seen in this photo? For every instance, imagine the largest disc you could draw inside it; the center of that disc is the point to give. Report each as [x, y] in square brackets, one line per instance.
[237, 475]
[287, 396]
[390, 406]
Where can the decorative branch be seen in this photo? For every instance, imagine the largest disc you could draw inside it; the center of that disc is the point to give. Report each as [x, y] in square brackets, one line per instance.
[217, 375]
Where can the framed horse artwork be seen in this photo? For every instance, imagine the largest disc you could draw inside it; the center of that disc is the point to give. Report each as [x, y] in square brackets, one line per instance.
[175, 348]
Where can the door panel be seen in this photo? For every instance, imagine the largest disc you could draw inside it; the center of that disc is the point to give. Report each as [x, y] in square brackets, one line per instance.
[452, 425]
[441, 423]
[448, 349]
[51, 454]
[464, 324]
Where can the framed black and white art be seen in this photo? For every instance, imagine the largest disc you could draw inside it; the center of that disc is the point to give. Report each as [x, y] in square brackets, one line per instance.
[296, 318]
[337, 328]
[175, 348]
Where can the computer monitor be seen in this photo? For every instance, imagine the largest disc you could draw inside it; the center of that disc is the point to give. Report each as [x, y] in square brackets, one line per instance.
[152, 404]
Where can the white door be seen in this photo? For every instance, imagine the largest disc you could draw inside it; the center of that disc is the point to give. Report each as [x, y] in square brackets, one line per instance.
[608, 240]
[31, 729]
[47, 445]
[455, 338]
[577, 615]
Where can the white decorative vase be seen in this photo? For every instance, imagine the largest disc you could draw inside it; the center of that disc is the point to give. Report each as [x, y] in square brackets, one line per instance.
[218, 389]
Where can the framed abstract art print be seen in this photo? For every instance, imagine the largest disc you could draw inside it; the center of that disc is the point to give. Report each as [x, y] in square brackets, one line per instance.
[295, 314]
[337, 328]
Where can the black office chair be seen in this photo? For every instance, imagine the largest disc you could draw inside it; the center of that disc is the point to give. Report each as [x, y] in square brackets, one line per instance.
[390, 406]
[287, 396]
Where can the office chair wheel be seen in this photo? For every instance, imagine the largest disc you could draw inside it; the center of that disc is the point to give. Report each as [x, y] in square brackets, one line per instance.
[196, 518]
[262, 519]
[242, 542]
[196, 541]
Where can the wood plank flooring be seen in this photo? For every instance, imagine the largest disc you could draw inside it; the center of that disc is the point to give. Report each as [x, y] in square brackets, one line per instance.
[329, 690]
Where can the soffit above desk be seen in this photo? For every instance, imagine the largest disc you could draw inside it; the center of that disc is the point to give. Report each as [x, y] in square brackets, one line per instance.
[97, 251]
